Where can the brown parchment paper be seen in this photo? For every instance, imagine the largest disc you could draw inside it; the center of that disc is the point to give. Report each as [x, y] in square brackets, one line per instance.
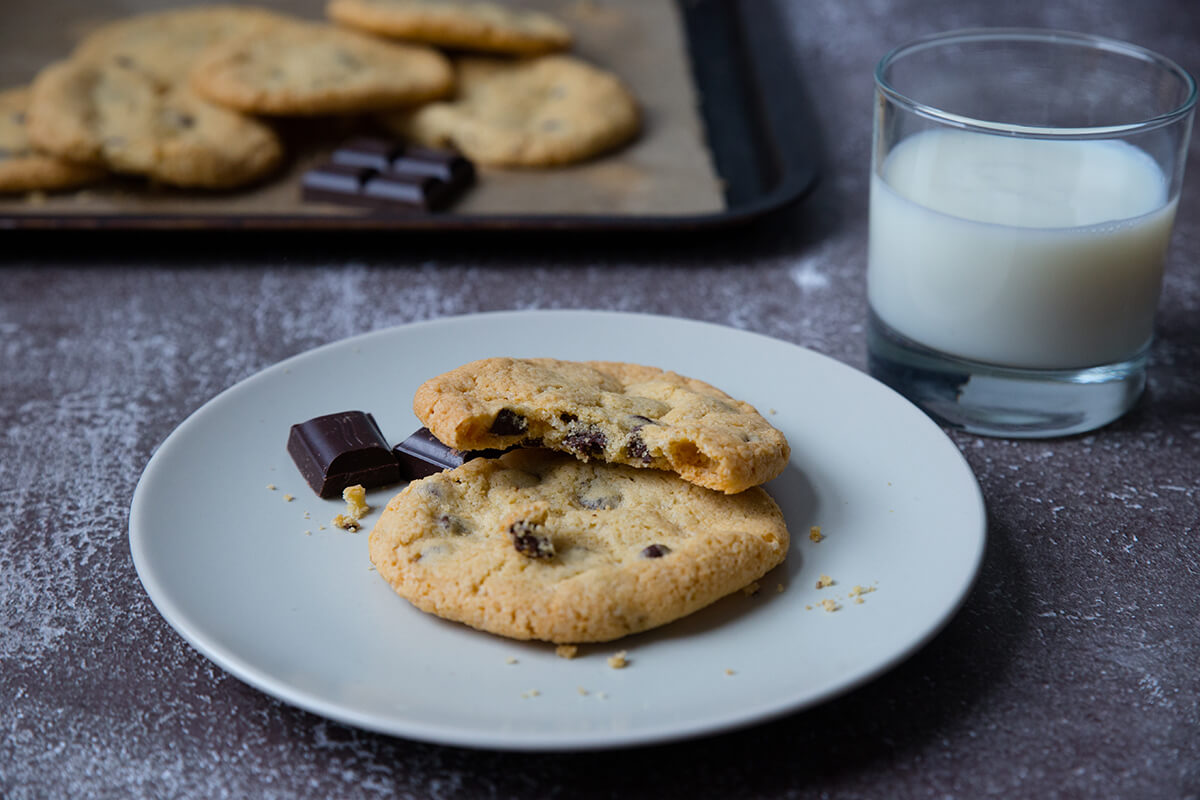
[667, 171]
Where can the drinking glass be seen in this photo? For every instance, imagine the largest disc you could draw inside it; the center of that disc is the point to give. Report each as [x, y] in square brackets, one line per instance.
[1023, 188]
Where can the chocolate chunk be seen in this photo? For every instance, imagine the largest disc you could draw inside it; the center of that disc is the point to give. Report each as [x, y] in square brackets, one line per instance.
[655, 551]
[508, 423]
[339, 450]
[445, 165]
[452, 524]
[383, 174]
[422, 454]
[636, 447]
[376, 154]
[529, 542]
[588, 443]
[568, 417]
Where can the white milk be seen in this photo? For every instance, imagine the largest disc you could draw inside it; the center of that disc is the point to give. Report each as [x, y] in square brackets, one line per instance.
[1026, 253]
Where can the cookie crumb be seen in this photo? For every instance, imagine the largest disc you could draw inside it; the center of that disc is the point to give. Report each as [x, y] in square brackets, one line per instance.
[530, 693]
[287, 498]
[356, 501]
[772, 411]
[730, 672]
[750, 589]
[602, 695]
[582, 691]
[346, 523]
[619, 660]
[510, 660]
[808, 607]
[779, 588]
[814, 533]
[356, 508]
[829, 604]
[272, 486]
[824, 581]
[858, 591]
[308, 533]
[566, 651]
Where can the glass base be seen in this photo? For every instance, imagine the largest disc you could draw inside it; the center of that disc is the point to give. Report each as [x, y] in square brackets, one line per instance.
[1003, 401]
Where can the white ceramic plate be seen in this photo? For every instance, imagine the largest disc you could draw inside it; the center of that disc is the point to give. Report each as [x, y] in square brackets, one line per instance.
[304, 617]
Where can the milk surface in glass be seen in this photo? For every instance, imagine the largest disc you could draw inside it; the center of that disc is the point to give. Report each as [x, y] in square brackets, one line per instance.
[1021, 252]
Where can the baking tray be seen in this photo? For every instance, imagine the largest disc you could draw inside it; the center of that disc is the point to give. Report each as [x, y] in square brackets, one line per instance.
[756, 122]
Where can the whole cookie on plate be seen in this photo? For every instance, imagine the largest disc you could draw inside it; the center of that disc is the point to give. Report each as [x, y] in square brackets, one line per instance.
[319, 69]
[119, 116]
[24, 169]
[610, 411]
[538, 545]
[164, 44]
[539, 112]
[481, 27]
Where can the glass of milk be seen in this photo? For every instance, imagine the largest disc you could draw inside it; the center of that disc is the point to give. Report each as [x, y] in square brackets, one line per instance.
[1023, 189]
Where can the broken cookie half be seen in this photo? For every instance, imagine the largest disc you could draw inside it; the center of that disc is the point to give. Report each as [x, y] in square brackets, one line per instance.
[615, 412]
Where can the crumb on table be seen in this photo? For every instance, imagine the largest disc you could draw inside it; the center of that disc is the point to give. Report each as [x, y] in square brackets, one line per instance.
[750, 588]
[858, 591]
[814, 533]
[619, 660]
[356, 508]
[824, 581]
[829, 604]
[566, 651]
[356, 501]
[345, 522]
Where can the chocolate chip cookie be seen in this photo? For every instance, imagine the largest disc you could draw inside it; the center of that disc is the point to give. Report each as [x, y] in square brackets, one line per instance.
[308, 69]
[607, 411]
[539, 112]
[539, 545]
[24, 169]
[122, 117]
[474, 26]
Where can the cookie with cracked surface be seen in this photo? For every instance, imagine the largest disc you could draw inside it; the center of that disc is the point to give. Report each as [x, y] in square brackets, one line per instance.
[165, 44]
[608, 411]
[479, 27]
[24, 169]
[308, 69]
[540, 112]
[538, 545]
[119, 116]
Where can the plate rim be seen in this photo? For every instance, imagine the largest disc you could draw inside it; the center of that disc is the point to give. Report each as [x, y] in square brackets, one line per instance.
[240, 668]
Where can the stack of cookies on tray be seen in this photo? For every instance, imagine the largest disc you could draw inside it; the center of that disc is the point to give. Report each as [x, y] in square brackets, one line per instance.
[188, 97]
[630, 498]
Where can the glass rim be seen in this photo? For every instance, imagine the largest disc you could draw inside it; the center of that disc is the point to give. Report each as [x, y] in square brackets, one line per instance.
[1045, 36]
